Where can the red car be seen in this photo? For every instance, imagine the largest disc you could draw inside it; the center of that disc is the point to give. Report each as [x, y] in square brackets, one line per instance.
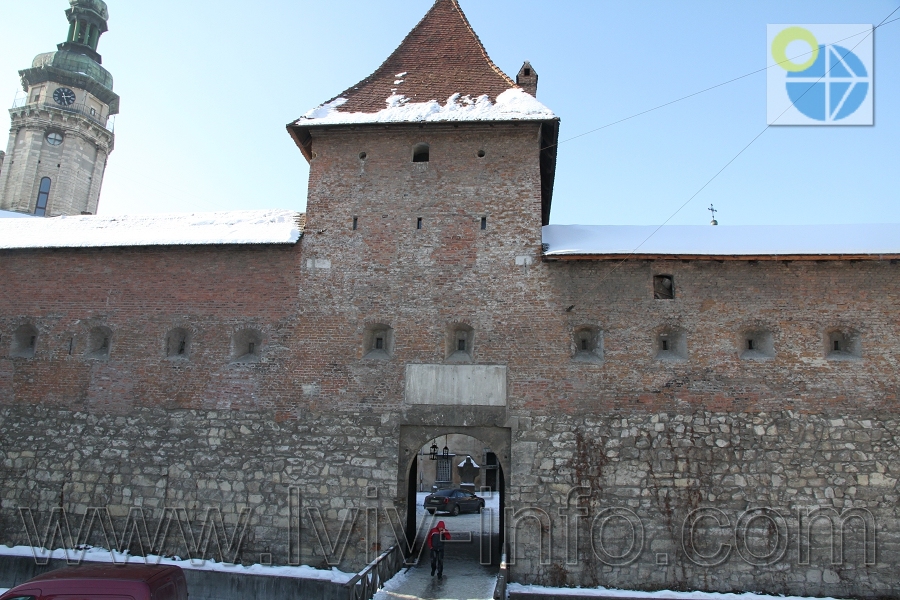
[104, 582]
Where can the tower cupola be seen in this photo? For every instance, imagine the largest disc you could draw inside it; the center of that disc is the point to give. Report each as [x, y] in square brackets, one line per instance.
[87, 22]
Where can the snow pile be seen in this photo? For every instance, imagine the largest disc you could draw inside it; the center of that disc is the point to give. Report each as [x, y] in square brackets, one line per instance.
[723, 240]
[602, 592]
[512, 105]
[99, 555]
[238, 227]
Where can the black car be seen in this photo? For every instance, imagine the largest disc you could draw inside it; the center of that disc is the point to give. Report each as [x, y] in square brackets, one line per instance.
[453, 502]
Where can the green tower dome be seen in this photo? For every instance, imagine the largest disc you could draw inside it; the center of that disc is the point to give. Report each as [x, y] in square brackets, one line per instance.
[74, 63]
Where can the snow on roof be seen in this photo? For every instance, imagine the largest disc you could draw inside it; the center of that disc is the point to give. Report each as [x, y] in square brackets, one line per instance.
[722, 240]
[14, 215]
[512, 105]
[237, 227]
[441, 56]
[469, 458]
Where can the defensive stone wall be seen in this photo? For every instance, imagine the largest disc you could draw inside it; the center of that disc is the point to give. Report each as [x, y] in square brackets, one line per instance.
[781, 502]
[177, 380]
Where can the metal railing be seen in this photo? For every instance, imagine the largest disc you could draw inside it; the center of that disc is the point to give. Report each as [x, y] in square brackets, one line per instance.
[367, 582]
[108, 124]
[503, 576]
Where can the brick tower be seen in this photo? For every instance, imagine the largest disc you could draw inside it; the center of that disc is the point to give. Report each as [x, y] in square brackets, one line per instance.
[429, 184]
[60, 136]
[437, 147]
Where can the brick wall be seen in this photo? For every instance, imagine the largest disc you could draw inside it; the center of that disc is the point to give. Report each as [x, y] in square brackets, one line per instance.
[658, 437]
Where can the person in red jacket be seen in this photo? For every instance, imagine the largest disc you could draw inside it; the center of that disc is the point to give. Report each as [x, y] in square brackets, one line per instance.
[436, 539]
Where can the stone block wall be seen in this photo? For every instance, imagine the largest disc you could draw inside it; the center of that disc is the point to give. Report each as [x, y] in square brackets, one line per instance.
[314, 419]
[779, 502]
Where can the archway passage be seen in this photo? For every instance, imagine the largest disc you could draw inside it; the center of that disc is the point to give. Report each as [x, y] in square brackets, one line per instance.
[466, 477]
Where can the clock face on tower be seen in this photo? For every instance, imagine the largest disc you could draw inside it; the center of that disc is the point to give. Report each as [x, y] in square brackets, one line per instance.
[64, 96]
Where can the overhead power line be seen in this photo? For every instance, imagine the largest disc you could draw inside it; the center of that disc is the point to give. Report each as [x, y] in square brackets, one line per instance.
[744, 149]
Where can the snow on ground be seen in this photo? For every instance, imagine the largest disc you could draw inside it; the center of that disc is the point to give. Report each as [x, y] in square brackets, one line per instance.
[512, 105]
[105, 556]
[4, 214]
[665, 594]
[91, 231]
[465, 521]
[723, 240]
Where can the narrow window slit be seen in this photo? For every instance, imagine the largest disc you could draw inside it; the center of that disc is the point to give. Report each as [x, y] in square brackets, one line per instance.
[355, 223]
[419, 223]
[483, 223]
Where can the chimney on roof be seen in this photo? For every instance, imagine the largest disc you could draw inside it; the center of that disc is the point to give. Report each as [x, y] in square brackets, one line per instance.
[527, 79]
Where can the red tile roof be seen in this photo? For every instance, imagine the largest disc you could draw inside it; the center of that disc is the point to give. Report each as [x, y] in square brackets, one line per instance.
[440, 57]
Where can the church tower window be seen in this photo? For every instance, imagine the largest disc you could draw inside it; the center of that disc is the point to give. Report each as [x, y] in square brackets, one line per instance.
[43, 195]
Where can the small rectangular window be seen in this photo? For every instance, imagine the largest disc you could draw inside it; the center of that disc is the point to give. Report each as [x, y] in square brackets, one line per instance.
[750, 345]
[663, 287]
[251, 348]
[483, 223]
[355, 223]
[419, 223]
[837, 346]
[379, 343]
[665, 345]
[461, 345]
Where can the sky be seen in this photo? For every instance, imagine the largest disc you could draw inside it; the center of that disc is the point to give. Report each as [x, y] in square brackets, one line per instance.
[208, 86]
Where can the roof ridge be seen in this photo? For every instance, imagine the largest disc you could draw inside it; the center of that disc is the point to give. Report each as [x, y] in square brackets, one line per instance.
[454, 4]
[490, 62]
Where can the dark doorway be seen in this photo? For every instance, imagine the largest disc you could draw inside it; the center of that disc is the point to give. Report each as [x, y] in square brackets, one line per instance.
[487, 548]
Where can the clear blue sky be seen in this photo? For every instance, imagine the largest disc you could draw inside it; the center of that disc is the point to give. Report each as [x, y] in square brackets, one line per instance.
[208, 86]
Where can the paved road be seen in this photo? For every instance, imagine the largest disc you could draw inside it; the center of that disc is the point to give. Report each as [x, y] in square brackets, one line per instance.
[465, 578]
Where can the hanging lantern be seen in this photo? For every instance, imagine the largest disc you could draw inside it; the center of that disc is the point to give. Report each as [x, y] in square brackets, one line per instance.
[434, 451]
[446, 451]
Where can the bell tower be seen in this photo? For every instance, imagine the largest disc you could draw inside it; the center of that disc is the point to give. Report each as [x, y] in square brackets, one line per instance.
[61, 134]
